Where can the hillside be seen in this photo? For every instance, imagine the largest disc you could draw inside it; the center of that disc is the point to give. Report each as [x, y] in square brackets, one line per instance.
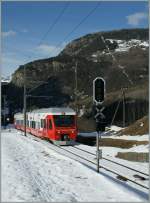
[131, 49]
[140, 127]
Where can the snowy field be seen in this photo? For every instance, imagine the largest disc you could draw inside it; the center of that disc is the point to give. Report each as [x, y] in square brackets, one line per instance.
[32, 171]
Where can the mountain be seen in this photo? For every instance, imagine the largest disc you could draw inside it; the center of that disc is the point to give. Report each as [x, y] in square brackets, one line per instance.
[89, 54]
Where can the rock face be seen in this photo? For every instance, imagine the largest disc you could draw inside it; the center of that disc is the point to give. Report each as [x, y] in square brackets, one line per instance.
[89, 53]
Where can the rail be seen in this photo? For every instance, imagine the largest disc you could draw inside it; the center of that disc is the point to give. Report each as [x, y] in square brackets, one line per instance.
[115, 162]
[112, 171]
[50, 145]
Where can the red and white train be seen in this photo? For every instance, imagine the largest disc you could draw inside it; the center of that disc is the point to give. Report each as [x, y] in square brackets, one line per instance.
[57, 124]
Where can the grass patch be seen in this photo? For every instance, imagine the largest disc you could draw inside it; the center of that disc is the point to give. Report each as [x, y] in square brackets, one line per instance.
[120, 143]
[134, 156]
[109, 142]
[140, 127]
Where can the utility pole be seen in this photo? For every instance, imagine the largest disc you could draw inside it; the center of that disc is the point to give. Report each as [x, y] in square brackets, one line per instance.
[76, 86]
[97, 151]
[124, 119]
[25, 105]
[4, 116]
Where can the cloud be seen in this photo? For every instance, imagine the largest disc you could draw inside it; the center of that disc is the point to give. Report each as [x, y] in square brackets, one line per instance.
[24, 31]
[9, 33]
[10, 62]
[49, 50]
[11, 59]
[136, 18]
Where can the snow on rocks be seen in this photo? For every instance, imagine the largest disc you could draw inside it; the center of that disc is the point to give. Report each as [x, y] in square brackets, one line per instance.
[33, 172]
[124, 45]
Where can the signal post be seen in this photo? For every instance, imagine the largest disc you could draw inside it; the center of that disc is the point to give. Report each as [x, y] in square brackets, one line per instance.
[98, 99]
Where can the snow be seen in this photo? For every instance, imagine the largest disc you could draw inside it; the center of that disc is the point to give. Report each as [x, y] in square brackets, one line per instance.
[81, 112]
[94, 55]
[135, 137]
[108, 132]
[115, 128]
[5, 79]
[141, 124]
[145, 44]
[32, 171]
[124, 45]
[90, 134]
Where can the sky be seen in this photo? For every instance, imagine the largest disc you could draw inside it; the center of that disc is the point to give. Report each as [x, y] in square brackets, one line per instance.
[36, 30]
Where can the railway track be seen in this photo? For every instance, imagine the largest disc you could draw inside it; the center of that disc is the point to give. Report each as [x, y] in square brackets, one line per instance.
[104, 158]
[105, 164]
[89, 159]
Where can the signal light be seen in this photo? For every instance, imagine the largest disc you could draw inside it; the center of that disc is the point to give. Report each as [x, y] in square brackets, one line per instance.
[98, 90]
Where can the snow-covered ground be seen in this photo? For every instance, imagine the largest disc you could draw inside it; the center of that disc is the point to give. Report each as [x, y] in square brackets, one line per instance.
[31, 171]
[130, 137]
[109, 131]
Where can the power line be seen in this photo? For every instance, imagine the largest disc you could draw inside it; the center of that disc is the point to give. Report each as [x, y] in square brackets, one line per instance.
[77, 26]
[54, 23]
[49, 29]
[70, 33]
[82, 21]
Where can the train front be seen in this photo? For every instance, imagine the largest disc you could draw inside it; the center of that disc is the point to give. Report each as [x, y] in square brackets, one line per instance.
[65, 128]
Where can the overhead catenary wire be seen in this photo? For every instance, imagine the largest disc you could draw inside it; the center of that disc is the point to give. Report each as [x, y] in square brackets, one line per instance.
[25, 92]
[49, 29]
[55, 22]
[76, 27]
[71, 32]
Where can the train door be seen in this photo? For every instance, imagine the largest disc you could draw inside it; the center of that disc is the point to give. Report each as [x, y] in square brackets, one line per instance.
[45, 128]
[50, 129]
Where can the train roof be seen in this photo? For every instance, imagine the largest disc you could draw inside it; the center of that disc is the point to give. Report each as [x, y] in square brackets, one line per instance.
[55, 111]
[42, 113]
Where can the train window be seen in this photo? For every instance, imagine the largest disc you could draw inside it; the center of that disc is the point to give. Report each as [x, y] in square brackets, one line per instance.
[38, 125]
[50, 124]
[33, 124]
[45, 123]
[64, 120]
[42, 123]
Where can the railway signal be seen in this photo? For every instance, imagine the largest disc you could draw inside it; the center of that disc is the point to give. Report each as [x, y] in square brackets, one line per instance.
[100, 119]
[98, 99]
[98, 90]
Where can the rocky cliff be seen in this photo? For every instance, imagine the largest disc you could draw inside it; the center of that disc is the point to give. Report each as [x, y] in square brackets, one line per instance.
[90, 55]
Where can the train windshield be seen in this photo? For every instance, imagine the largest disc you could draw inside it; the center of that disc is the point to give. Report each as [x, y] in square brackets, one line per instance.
[64, 120]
